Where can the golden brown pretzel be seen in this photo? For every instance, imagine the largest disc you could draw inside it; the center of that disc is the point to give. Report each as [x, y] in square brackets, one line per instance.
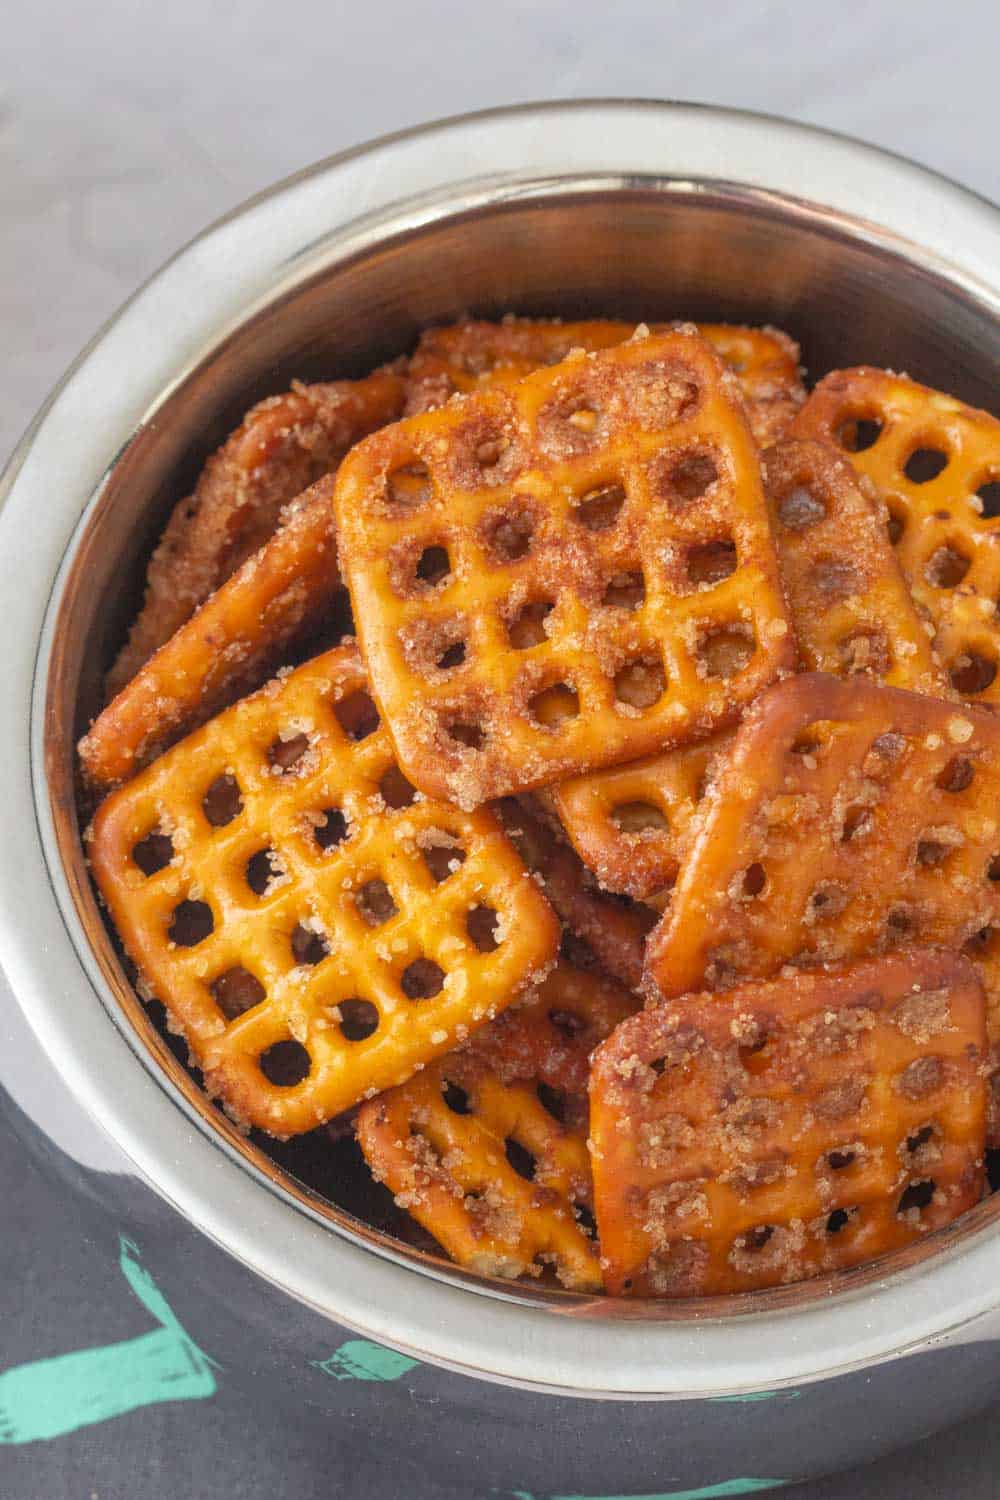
[852, 615]
[229, 647]
[472, 355]
[935, 464]
[315, 930]
[283, 445]
[525, 570]
[786, 1129]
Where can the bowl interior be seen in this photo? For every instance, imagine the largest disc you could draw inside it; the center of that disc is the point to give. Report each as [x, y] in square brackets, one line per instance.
[651, 249]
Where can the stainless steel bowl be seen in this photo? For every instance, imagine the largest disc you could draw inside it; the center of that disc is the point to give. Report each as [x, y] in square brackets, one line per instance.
[627, 209]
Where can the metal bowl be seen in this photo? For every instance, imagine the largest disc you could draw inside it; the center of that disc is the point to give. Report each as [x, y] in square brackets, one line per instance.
[626, 209]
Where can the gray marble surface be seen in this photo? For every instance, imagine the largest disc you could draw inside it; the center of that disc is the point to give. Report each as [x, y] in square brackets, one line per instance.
[125, 128]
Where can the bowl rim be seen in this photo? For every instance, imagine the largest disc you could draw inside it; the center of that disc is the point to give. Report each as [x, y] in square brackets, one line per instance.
[63, 463]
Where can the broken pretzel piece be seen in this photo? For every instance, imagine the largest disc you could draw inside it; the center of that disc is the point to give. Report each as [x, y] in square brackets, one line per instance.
[788, 1129]
[312, 926]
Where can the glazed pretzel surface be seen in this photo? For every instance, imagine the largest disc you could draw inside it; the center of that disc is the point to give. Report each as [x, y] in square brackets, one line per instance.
[935, 463]
[283, 445]
[849, 818]
[315, 930]
[853, 616]
[790, 1128]
[472, 355]
[486, 1169]
[228, 648]
[526, 569]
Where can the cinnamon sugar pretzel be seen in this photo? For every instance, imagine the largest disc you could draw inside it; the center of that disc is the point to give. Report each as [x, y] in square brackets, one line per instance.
[472, 355]
[786, 1129]
[283, 445]
[935, 464]
[525, 570]
[316, 931]
[853, 616]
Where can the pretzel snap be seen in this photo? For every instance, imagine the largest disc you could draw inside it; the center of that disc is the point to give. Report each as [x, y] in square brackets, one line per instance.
[283, 445]
[526, 570]
[852, 615]
[229, 647]
[788, 1129]
[487, 1170]
[935, 465]
[315, 930]
[472, 355]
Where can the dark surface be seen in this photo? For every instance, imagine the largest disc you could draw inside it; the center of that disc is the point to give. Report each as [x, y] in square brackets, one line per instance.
[60, 1290]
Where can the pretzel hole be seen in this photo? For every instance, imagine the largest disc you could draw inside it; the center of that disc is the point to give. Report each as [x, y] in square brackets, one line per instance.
[374, 903]
[422, 979]
[913, 1147]
[489, 452]
[895, 525]
[395, 790]
[946, 567]
[757, 1055]
[442, 860]
[840, 1160]
[599, 509]
[451, 656]
[222, 801]
[639, 818]
[456, 1099]
[520, 1159]
[192, 923]
[755, 1239]
[839, 1219]
[261, 870]
[237, 991]
[859, 820]
[827, 900]
[153, 853]
[725, 652]
[807, 742]
[901, 923]
[934, 851]
[330, 829]
[308, 946]
[481, 925]
[527, 628]
[754, 880]
[641, 683]
[858, 433]
[865, 654]
[693, 475]
[508, 534]
[433, 565]
[359, 1019]
[988, 496]
[357, 715]
[957, 774]
[408, 487]
[916, 1197]
[625, 591]
[554, 706]
[285, 1064]
[465, 733]
[711, 562]
[284, 755]
[552, 1101]
[800, 508]
[925, 464]
[568, 1023]
[586, 1220]
[982, 944]
[972, 673]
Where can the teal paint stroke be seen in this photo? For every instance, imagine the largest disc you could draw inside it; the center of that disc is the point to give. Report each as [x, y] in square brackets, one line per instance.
[52, 1397]
[707, 1492]
[360, 1359]
[752, 1396]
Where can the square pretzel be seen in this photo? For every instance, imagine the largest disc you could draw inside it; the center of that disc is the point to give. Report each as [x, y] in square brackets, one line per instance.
[230, 646]
[472, 355]
[482, 1165]
[787, 1129]
[935, 465]
[316, 930]
[284, 444]
[853, 616]
[520, 565]
[848, 819]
